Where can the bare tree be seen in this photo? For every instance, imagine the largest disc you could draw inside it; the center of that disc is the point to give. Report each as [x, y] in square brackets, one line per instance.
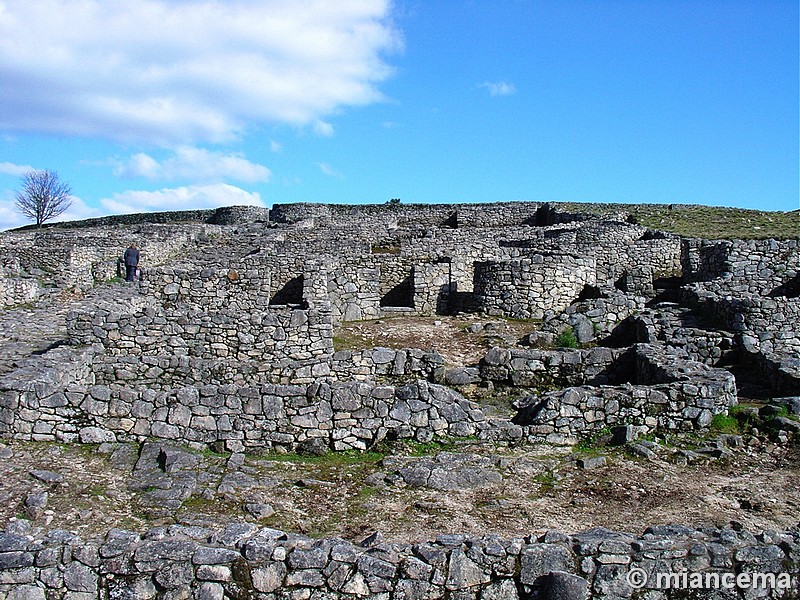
[43, 196]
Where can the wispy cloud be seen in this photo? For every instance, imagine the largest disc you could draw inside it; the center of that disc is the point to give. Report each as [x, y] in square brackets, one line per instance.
[323, 129]
[8, 168]
[329, 170]
[196, 164]
[187, 72]
[182, 198]
[499, 88]
[275, 146]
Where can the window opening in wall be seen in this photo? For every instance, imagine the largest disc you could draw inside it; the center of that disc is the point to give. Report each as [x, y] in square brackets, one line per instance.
[451, 221]
[589, 292]
[788, 289]
[290, 293]
[401, 295]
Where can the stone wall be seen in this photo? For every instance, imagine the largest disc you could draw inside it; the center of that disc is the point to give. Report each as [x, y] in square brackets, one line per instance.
[751, 288]
[379, 363]
[15, 289]
[768, 329]
[404, 215]
[665, 394]
[74, 257]
[225, 215]
[278, 336]
[210, 288]
[679, 329]
[353, 292]
[61, 403]
[552, 369]
[244, 560]
[526, 288]
[60, 397]
[746, 266]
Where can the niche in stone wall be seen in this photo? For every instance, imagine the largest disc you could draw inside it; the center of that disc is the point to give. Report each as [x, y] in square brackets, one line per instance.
[401, 295]
[290, 293]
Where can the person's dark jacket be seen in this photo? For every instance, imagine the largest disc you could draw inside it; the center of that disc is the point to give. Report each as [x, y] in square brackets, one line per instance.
[131, 257]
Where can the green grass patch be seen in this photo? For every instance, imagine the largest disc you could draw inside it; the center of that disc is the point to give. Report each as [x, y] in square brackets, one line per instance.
[722, 423]
[344, 341]
[346, 457]
[546, 481]
[432, 447]
[594, 445]
[566, 339]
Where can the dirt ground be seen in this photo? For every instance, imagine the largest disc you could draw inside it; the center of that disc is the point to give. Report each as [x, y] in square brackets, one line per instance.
[449, 336]
[353, 496]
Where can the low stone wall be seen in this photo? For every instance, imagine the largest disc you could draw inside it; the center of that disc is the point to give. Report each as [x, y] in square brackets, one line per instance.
[666, 394]
[769, 329]
[17, 290]
[274, 335]
[551, 369]
[372, 363]
[781, 370]
[225, 215]
[209, 288]
[592, 319]
[60, 403]
[426, 215]
[69, 256]
[245, 561]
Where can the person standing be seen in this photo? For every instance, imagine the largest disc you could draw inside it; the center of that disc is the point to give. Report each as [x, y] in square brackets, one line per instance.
[131, 262]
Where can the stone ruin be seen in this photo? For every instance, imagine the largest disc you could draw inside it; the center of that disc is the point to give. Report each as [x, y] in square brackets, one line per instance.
[227, 342]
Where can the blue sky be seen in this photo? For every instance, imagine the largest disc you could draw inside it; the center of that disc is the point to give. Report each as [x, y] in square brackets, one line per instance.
[156, 105]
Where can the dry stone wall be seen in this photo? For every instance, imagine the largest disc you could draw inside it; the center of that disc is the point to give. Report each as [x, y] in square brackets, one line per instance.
[15, 289]
[73, 257]
[751, 288]
[244, 560]
[666, 394]
[742, 266]
[63, 404]
[552, 369]
[403, 215]
[526, 288]
[276, 336]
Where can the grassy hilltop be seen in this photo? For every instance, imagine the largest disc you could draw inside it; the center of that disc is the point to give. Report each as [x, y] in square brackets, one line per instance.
[710, 222]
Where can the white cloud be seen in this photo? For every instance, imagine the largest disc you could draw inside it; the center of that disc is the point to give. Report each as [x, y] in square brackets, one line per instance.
[275, 147]
[329, 170]
[10, 217]
[323, 129]
[500, 88]
[170, 73]
[8, 168]
[192, 197]
[139, 165]
[196, 164]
